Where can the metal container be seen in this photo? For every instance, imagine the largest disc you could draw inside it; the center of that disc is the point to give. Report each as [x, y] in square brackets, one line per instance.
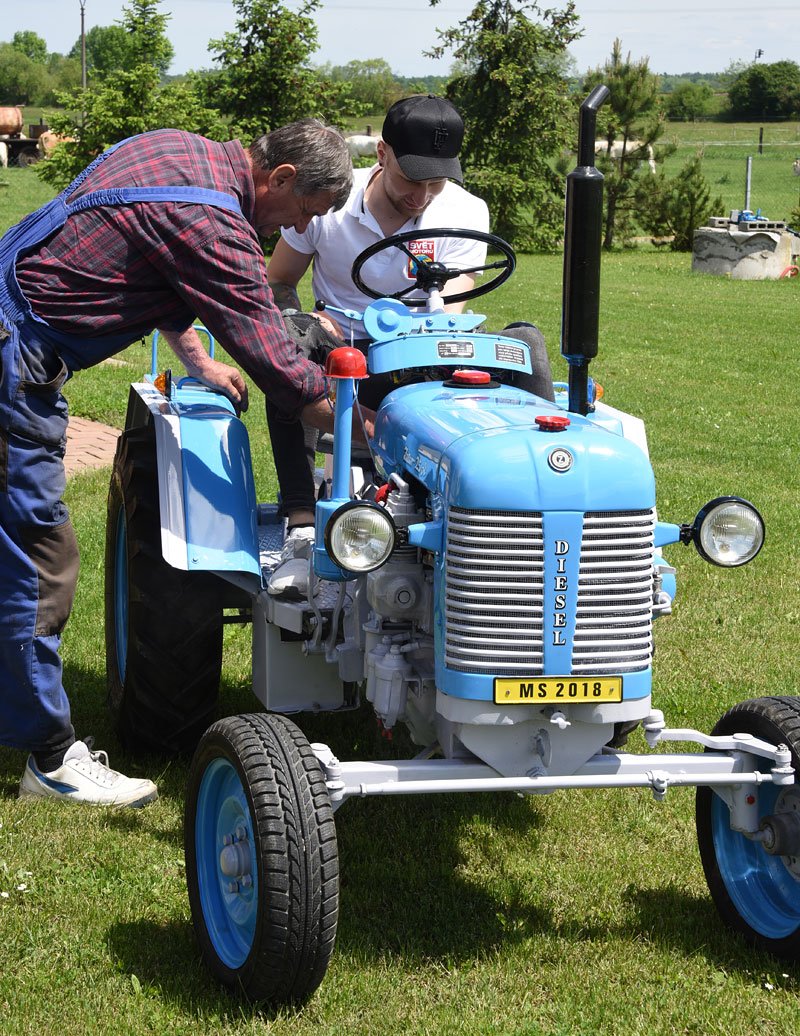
[10, 120]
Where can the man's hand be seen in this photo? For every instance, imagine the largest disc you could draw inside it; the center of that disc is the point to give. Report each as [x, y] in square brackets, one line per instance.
[319, 414]
[189, 349]
[225, 379]
[329, 324]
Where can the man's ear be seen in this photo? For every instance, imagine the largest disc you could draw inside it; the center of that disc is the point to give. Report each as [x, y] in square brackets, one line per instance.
[282, 178]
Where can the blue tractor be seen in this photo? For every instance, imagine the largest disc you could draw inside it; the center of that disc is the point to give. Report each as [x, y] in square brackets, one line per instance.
[487, 575]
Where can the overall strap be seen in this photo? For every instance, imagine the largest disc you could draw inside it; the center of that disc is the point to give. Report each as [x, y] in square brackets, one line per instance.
[130, 195]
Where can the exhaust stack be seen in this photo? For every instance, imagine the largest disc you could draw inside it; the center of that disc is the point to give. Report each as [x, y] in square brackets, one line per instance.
[583, 226]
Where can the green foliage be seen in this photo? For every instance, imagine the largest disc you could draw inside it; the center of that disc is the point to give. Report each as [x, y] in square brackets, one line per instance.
[676, 206]
[372, 83]
[265, 79]
[511, 89]
[147, 35]
[31, 45]
[690, 101]
[110, 48]
[632, 113]
[123, 103]
[670, 83]
[766, 91]
[22, 81]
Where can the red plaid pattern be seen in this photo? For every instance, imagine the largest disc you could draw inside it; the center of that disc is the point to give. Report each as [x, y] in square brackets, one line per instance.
[130, 268]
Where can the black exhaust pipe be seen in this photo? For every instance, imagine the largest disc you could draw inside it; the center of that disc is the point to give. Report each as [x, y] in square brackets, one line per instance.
[583, 228]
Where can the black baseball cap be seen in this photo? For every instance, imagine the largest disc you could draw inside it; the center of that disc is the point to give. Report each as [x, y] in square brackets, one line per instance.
[425, 134]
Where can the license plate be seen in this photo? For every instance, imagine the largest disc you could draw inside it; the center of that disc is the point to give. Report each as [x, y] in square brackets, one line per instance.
[557, 690]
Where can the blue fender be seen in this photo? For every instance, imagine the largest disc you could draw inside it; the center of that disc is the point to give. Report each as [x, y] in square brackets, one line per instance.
[205, 479]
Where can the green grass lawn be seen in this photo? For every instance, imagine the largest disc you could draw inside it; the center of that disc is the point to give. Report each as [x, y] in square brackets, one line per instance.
[725, 148]
[574, 914]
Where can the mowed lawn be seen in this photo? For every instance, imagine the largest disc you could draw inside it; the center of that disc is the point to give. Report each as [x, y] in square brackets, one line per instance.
[575, 913]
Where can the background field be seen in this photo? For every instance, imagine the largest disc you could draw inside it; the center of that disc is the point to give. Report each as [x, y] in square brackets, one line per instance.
[571, 914]
[725, 147]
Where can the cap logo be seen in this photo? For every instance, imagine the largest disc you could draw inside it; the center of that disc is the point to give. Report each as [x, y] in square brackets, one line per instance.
[440, 136]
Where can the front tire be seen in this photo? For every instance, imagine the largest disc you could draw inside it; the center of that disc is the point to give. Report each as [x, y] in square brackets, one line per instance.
[163, 625]
[756, 894]
[261, 858]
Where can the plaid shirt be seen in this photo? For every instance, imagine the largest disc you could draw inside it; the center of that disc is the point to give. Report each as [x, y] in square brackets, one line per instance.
[130, 268]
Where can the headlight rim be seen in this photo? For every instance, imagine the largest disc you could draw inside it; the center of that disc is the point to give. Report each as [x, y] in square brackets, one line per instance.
[703, 514]
[338, 514]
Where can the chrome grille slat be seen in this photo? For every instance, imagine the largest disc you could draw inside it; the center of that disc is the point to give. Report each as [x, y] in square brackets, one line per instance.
[494, 587]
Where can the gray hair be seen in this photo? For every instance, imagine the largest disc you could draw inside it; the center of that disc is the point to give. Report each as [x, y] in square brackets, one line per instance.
[317, 151]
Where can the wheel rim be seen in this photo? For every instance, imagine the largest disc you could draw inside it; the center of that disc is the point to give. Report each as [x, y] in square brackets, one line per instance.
[761, 887]
[226, 873]
[121, 594]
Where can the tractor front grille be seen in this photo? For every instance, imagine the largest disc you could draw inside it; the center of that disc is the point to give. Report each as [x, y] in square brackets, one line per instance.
[494, 583]
[614, 619]
[494, 589]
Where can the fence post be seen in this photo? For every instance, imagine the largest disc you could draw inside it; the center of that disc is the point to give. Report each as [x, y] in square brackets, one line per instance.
[761, 140]
[747, 180]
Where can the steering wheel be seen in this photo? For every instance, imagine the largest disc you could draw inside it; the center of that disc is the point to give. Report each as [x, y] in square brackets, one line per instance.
[436, 275]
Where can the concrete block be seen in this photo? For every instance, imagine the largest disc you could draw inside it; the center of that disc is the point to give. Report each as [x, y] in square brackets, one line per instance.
[749, 255]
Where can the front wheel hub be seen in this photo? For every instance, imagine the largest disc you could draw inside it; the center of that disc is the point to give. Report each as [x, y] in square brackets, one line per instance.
[782, 830]
[235, 859]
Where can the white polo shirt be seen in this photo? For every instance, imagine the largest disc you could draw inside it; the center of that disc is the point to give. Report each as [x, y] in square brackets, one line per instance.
[335, 239]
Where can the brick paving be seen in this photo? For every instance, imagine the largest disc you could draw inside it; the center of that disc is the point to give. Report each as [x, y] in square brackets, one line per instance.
[89, 445]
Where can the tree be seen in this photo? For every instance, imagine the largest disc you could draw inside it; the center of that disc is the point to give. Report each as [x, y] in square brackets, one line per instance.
[126, 102]
[676, 207]
[765, 91]
[372, 83]
[631, 114]
[689, 101]
[22, 81]
[65, 74]
[265, 79]
[510, 87]
[31, 45]
[109, 49]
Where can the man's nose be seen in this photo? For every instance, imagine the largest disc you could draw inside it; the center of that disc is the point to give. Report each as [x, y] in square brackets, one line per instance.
[420, 195]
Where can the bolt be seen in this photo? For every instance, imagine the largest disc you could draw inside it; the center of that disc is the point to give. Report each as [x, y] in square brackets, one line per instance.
[227, 839]
[241, 833]
[233, 886]
[750, 800]
[247, 881]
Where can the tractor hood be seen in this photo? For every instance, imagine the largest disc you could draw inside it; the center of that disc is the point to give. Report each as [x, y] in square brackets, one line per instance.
[483, 449]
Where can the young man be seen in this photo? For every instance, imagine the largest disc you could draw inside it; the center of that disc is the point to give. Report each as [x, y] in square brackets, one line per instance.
[158, 231]
[410, 188]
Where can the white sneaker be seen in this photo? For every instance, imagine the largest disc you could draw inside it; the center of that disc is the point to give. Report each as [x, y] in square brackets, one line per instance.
[85, 776]
[290, 578]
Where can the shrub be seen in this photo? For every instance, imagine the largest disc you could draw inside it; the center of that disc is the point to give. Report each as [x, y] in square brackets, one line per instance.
[676, 206]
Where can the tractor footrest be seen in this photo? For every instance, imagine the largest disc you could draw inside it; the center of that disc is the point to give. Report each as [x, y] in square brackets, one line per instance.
[270, 545]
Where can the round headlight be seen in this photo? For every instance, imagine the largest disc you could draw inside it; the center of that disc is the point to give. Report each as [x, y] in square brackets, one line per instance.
[728, 531]
[360, 536]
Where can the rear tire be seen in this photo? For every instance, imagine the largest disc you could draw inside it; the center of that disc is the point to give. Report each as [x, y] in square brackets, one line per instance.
[262, 864]
[756, 894]
[28, 156]
[163, 625]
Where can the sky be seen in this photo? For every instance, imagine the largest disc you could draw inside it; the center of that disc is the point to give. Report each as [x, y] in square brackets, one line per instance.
[706, 36]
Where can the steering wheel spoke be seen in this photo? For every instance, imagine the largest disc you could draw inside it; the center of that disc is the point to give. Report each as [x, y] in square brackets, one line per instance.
[435, 275]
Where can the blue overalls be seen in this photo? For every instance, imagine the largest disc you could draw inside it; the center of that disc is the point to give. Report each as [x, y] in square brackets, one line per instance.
[38, 550]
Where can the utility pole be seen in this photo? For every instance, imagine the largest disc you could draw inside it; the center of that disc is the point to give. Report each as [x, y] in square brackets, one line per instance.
[83, 58]
[83, 43]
